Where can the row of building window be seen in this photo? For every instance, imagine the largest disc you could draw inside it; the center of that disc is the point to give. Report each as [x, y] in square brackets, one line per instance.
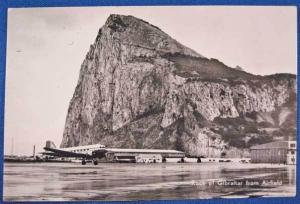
[82, 150]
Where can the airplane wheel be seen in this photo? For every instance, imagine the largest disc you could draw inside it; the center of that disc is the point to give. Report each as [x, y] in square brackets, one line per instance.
[95, 162]
[182, 160]
[83, 162]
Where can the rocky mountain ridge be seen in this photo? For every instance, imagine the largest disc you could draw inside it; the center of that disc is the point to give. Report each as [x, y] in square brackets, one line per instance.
[140, 88]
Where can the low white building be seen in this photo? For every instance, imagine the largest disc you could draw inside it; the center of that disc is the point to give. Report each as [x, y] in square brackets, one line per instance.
[148, 158]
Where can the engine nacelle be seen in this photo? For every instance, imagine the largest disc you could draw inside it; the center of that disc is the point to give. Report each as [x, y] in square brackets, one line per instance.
[99, 153]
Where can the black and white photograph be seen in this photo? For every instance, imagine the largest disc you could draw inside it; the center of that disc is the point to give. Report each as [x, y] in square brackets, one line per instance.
[127, 103]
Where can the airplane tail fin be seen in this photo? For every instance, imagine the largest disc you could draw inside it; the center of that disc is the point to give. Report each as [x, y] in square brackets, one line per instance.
[50, 144]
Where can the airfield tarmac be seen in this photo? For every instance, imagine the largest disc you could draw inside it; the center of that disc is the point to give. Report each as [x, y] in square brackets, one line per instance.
[115, 181]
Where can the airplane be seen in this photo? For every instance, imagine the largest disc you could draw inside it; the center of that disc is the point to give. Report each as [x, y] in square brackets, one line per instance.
[98, 151]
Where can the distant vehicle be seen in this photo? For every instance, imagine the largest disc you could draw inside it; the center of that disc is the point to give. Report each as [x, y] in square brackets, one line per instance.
[98, 151]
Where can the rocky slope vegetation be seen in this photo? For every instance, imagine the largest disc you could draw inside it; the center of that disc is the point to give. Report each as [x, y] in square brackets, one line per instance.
[139, 88]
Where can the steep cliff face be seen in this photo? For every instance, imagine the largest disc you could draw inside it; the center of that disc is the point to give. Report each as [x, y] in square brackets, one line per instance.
[139, 88]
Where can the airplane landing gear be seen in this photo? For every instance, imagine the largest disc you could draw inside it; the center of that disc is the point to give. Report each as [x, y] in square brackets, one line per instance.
[95, 162]
[83, 162]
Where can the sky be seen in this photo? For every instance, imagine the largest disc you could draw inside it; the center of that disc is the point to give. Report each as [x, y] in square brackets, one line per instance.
[46, 46]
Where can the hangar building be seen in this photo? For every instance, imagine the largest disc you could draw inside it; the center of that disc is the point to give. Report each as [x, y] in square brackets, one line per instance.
[279, 152]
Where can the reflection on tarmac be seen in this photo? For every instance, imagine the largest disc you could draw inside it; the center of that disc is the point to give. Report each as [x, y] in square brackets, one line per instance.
[68, 181]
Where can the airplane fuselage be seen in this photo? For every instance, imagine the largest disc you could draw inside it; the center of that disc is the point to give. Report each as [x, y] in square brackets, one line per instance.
[86, 149]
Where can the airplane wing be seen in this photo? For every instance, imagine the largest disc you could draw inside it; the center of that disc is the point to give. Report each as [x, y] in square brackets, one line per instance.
[63, 153]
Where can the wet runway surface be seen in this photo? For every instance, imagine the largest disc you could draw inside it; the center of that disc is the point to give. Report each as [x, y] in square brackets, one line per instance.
[72, 181]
